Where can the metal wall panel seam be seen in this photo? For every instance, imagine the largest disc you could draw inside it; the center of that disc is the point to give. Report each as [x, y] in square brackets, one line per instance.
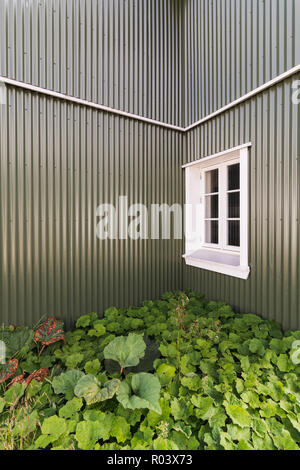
[107, 109]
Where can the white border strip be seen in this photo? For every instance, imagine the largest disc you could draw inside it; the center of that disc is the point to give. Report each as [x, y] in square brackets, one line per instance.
[219, 154]
[90, 104]
[235, 271]
[100, 107]
[249, 95]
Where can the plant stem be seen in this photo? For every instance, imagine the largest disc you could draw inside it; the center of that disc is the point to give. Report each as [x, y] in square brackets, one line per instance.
[41, 350]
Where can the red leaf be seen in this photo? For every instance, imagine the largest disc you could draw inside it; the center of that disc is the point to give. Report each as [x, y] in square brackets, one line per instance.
[38, 375]
[17, 380]
[49, 332]
[8, 370]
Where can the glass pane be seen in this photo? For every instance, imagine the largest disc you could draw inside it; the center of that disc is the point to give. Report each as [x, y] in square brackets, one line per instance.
[233, 205]
[212, 231]
[212, 181]
[234, 177]
[234, 232]
[212, 207]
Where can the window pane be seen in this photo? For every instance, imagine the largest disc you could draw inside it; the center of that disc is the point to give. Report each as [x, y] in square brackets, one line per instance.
[234, 232]
[233, 205]
[234, 177]
[212, 181]
[212, 231]
[212, 207]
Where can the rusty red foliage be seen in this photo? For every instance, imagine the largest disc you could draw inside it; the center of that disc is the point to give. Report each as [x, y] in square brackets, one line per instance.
[38, 375]
[17, 380]
[50, 331]
[9, 369]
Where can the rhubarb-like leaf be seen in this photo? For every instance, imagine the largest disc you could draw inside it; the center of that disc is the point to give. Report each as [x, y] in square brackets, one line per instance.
[143, 392]
[90, 389]
[126, 350]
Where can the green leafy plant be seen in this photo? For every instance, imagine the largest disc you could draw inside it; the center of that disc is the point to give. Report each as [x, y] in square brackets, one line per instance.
[195, 376]
[66, 382]
[140, 391]
[89, 388]
[126, 350]
[18, 341]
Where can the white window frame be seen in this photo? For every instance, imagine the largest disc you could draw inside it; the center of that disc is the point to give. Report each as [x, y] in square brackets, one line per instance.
[219, 257]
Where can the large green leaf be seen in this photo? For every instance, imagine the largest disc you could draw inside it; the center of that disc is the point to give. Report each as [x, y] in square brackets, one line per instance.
[120, 429]
[180, 409]
[52, 428]
[71, 408]
[14, 393]
[99, 425]
[126, 350]
[143, 392]
[239, 415]
[205, 407]
[165, 373]
[89, 388]
[146, 363]
[66, 382]
[88, 433]
[17, 341]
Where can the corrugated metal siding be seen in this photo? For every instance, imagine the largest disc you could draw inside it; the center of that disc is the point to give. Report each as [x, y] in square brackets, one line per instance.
[272, 123]
[123, 54]
[58, 163]
[234, 46]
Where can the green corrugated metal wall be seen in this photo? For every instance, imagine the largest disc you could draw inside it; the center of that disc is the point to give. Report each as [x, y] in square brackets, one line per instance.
[169, 60]
[272, 123]
[58, 163]
[124, 54]
[234, 46]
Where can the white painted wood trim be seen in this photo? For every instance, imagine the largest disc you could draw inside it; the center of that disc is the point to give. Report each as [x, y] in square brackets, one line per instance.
[234, 271]
[216, 155]
[247, 96]
[244, 198]
[195, 188]
[90, 104]
[100, 107]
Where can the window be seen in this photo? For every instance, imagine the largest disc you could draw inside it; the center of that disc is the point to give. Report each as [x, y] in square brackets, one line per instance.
[217, 212]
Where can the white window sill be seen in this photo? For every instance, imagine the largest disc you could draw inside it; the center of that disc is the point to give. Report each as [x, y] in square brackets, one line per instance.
[219, 262]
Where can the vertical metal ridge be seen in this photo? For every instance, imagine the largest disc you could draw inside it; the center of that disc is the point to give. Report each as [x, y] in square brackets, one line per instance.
[270, 121]
[234, 47]
[102, 50]
[59, 161]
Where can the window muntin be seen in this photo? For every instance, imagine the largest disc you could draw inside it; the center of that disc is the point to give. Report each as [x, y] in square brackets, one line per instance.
[221, 199]
[233, 205]
[211, 211]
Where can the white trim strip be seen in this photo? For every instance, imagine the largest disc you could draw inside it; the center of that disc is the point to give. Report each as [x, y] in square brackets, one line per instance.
[90, 104]
[247, 96]
[100, 107]
[219, 154]
[234, 271]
